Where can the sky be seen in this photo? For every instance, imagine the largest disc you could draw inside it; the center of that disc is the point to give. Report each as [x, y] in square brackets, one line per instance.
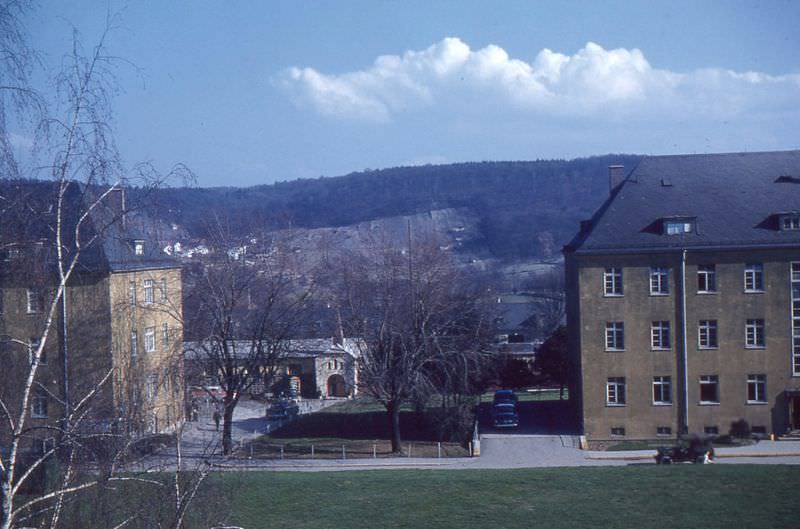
[254, 92]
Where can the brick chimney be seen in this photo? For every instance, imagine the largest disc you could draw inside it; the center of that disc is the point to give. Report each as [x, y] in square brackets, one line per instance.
[616, 174]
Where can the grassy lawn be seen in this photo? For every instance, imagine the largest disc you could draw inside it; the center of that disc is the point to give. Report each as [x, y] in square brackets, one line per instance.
[361, 426]
[686, 496]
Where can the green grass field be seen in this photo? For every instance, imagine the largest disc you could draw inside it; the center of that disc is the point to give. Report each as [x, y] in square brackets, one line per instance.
[686, 496]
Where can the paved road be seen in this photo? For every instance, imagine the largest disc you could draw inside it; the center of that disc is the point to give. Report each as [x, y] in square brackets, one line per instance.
[499, 450]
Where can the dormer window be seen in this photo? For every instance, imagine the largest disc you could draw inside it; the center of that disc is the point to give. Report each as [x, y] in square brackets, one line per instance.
[138, 247]
[678, 226]
[790, 222]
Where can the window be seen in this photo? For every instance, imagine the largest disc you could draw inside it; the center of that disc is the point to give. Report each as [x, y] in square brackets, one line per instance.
[164, 334]
[33, 345]
[706, 278]
[615, 336]
[754, 277]
[138, 247]
[148, 291]
[676, 227]
[618, 431]
[711, 430]
[790, 222]
[134, 343]
[754, 333]
[39, 405]
[756, 389]
[132, 293]
[662, 390]
[709, 389]
[149, 339]
[615, 391]
[663, 431]
[34, 301]
[163, 289]
[795, 293]
[659, 281]
[707, 334]
[612, 280]
[659, 335]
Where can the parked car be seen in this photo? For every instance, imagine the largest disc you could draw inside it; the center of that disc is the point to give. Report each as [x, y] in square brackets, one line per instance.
[504, 415]
[694, 450]
[505, 396]
[282, 410]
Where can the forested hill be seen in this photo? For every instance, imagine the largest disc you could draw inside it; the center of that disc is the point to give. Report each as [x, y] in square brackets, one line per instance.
[519, 205]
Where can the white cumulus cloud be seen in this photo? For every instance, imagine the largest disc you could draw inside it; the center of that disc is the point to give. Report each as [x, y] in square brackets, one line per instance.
[590, 82]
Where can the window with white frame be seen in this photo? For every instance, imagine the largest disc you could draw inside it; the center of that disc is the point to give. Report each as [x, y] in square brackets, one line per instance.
[615, 391]
[677, 227]
[754, 333]
[662, 390]
[659, 281]
[163, 288]
[754, 277]
[132, 293]
[709, 389]
[138, 247]
[706, 278]
[756, 388]
[39, 405]
[707, 334]
[795, 293]
[34, 297]
[149, 287]
[660, 335]
[615, 336]
[149, 339]
[790, 222]
[612, 281]
[33, 345]
[134, 343]
[164, 334]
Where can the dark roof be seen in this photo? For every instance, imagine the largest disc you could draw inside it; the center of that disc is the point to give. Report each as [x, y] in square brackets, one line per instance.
[28, 216]
[735, 199]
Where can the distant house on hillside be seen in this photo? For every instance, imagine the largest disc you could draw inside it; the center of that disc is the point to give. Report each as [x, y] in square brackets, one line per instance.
[683, 298]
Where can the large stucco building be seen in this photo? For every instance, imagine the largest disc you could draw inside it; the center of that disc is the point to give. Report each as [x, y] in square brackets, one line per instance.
[118, 321]
[683, 298]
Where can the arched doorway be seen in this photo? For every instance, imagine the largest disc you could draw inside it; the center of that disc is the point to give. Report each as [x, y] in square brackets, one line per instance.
[337, 386]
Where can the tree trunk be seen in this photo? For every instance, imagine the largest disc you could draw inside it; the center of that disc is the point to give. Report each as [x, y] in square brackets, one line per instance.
[394, 426]
[227, 425]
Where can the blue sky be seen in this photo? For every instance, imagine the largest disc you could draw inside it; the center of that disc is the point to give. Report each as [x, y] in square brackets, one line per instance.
[253, 92]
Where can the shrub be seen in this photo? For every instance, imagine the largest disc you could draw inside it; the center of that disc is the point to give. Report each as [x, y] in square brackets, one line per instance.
[740, 429]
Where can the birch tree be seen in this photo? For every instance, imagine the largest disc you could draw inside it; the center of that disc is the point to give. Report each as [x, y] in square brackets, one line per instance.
[48, 229]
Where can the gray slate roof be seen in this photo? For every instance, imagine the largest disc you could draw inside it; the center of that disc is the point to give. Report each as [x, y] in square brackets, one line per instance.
[734, 197]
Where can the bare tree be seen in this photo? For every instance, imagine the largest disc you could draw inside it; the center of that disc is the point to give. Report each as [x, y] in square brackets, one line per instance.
[421, 328]
[245, 310]
[50, 232]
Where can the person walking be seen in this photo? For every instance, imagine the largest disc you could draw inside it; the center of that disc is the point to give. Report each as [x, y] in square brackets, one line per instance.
[216, 419]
